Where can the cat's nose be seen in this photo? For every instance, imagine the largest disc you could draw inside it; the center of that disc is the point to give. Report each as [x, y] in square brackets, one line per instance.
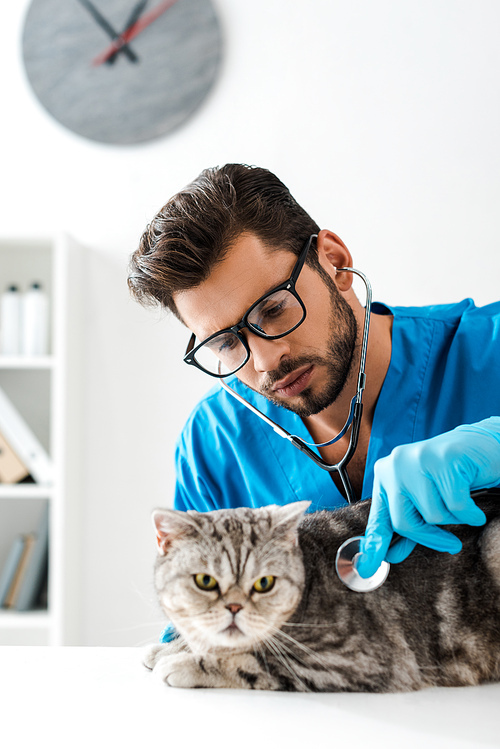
[234, 608]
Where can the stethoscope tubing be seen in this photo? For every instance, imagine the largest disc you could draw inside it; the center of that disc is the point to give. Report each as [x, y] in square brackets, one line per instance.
[357, 407]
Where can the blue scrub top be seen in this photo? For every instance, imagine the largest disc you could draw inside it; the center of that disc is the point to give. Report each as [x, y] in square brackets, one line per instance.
[444, 371]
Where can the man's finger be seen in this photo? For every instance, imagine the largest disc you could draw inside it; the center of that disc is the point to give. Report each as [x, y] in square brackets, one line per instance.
[435, 538]
[372, 550]
[400, 551]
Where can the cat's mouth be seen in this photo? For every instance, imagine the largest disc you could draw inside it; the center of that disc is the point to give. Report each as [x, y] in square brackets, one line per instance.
[233, 629]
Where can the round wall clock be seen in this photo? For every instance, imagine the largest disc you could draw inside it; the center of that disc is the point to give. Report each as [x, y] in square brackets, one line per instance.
[121, 71]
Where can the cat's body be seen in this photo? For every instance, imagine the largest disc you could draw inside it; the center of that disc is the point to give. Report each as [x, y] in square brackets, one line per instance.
[434, 622]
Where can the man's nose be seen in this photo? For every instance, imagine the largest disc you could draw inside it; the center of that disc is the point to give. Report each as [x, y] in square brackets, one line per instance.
[266, 354]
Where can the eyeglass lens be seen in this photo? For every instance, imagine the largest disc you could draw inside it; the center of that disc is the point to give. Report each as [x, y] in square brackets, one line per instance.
[275, 315]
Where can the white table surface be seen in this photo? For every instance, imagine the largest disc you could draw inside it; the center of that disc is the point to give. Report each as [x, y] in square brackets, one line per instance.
[103, 697]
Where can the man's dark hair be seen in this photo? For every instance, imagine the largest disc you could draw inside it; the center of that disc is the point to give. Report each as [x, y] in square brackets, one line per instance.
[195, 229]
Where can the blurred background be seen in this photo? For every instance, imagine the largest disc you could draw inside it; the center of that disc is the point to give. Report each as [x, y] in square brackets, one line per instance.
[383, 120]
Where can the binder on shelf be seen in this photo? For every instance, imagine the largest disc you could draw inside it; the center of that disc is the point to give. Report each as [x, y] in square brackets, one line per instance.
[12, 469]
[35, 572]
[10, 568]
[24, 443]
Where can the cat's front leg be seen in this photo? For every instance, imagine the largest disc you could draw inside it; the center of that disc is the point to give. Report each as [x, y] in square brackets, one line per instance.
[238, 671]
[155, 653]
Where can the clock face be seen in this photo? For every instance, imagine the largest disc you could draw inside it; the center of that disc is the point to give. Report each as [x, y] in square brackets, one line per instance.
[121, 71]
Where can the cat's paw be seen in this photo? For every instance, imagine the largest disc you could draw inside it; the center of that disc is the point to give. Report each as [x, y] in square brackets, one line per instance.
[153, 655]
[189, 671]
[182, 670]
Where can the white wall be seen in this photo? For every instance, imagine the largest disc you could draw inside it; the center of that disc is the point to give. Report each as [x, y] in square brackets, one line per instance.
[382, 117]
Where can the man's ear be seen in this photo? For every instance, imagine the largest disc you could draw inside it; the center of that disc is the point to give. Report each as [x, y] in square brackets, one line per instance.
[333, 254]
[169, 525]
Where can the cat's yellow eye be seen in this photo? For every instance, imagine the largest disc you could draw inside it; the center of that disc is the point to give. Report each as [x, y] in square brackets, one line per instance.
[264, 584]
[205, 582]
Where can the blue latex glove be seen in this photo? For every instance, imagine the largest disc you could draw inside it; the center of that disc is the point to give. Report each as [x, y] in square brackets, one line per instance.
[424, 484]
[169, 633]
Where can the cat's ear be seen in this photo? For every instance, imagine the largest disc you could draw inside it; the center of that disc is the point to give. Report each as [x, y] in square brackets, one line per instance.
[287, 518]
[170, 524]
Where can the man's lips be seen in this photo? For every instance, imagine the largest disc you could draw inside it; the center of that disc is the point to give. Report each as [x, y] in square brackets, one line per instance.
[294, 383]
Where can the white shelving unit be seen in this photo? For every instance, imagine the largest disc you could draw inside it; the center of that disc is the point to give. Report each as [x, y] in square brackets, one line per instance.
[46, 391]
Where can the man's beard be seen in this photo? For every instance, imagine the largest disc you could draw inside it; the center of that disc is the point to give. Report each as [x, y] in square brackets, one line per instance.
[338, 362]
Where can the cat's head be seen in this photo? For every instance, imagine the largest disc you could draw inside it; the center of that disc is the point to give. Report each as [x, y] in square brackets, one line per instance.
[227, 579]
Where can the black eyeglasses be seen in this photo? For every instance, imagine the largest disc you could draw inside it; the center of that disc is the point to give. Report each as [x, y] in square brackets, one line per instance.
[272, 316]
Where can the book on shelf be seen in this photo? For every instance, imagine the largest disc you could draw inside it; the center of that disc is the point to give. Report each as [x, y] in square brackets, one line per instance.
[18, 435]
[12, 596]
[12, 469]
[36, 570]
[10, 567]
[25, 570]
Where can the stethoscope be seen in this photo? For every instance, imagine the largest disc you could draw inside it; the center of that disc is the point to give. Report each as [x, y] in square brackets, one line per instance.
[348, 552]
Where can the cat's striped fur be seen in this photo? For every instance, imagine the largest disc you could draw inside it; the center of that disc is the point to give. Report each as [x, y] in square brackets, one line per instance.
[435, 622]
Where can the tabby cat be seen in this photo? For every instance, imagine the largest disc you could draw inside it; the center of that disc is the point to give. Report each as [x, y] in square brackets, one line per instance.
[257, 604]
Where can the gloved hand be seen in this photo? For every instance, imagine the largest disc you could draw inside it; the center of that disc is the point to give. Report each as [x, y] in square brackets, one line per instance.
[169, 633]
[428, 483]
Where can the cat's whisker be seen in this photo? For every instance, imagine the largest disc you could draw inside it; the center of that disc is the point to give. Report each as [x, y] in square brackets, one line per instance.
[150, 600]
[301, 645]
[154, 624]
[304, 624]
[141, 643]
[310, 653]
[281, 655]
[260, 654]
[285, 647]
[291, 653]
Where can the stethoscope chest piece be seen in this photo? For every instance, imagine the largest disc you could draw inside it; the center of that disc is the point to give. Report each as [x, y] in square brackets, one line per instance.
[345, 565]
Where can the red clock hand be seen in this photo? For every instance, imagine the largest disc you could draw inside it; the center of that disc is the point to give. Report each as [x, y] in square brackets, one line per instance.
[133, 30]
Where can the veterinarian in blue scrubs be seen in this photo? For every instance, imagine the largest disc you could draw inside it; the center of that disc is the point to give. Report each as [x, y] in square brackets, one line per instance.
[430, 431]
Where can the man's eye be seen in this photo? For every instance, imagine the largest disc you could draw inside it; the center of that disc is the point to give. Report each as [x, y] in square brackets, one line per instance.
[223, 344]
[228, 344]
[272, 311]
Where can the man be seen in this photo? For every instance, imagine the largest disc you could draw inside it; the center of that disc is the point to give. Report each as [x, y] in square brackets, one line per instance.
[218, 256]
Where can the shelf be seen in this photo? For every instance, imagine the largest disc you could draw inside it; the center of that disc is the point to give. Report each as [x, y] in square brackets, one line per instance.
[25, 619]
[46, 391]
[26, 362]
[25, 491]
